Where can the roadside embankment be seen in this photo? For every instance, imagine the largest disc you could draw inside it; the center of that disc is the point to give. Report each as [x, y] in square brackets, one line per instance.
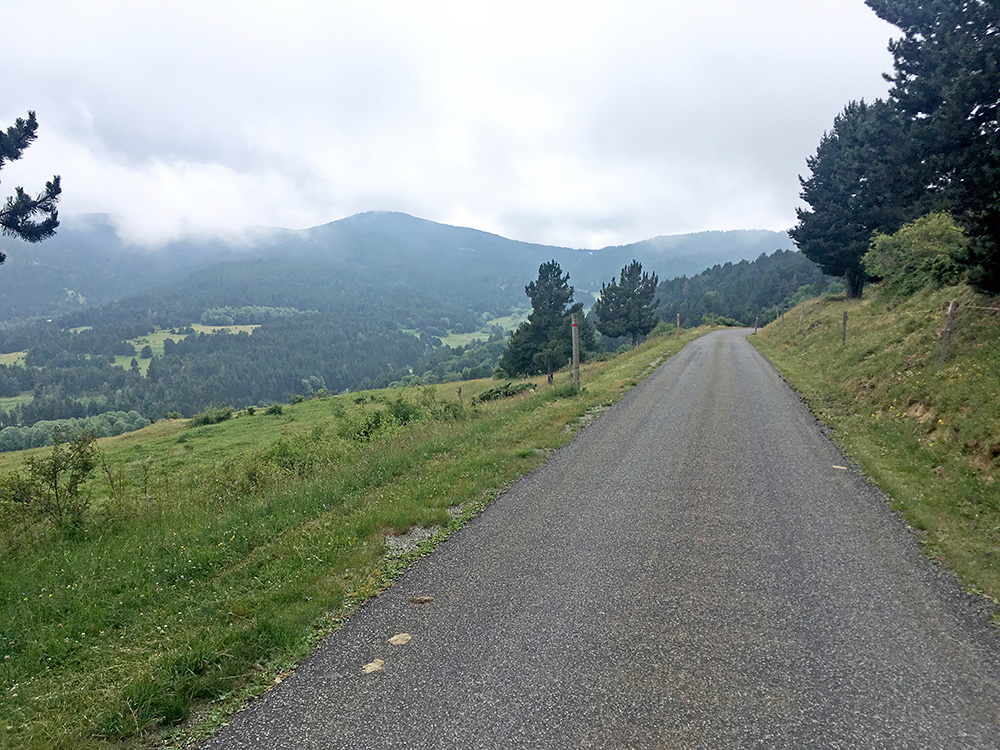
[913, 399]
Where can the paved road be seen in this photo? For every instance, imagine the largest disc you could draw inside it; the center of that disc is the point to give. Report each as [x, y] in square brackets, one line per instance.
[692, 572]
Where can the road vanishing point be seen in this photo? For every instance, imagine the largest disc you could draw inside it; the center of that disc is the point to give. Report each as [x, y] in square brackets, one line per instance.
[695, 570]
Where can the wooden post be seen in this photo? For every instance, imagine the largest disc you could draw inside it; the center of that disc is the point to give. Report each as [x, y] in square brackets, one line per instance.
[843, 331]
[755, 321]
[946, 337]
[678, 324]
[576, 350]
[802, 312]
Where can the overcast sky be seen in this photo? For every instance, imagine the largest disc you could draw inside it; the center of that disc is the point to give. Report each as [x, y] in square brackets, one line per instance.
[577, 123]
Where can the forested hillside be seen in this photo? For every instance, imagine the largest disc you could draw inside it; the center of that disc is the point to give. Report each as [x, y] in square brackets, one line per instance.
[744, 292]
[87, 265]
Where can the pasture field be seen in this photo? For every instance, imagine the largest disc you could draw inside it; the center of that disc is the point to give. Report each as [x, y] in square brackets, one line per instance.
[212, 558]
[155, 342]
[507, 322]
[9, 402]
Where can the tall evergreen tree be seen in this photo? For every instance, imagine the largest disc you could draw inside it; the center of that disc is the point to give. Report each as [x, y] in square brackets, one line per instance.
[543, 342]
[862, 182]
[31, 219]
[628, 307]
[945, 83]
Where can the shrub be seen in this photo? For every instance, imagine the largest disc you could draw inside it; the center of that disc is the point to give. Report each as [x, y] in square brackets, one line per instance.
[362, 425]
[273, 410]
[212, 416]
[502, 391]
[720, 320]
[403, 412]
[298, 398]
[54, 483]
[924, 253]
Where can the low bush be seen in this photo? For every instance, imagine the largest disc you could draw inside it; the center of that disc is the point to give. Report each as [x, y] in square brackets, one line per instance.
[212, 416]
[502, 391]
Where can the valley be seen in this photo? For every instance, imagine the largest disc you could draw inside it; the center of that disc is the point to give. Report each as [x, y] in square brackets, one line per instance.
[369, 301]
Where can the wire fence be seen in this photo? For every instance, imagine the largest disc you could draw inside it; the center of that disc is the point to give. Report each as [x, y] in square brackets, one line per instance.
[949, 312]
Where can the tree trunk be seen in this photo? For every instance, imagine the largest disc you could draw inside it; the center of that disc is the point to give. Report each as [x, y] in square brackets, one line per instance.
[854, 281]
[549, 374]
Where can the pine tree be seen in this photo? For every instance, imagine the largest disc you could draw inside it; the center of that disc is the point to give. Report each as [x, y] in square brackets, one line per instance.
[945, 84]
[628, 307]
[864, 180]
[543, 342]
[31, 219]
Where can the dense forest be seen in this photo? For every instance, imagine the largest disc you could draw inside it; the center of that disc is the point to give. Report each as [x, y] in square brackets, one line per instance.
[348, 332]
[745, 292]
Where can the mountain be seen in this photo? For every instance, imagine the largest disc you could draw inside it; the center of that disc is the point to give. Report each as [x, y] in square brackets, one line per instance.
[87, 265]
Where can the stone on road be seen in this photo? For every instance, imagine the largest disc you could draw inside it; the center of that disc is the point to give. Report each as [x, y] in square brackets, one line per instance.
[696, 570]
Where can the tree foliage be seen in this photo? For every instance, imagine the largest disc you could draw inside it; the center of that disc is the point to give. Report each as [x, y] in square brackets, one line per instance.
[924, 253]
[933, 146]
[628, 307]
[946, 81]
[30, 218]
[745, 292]
[543, 343]
[860, 183]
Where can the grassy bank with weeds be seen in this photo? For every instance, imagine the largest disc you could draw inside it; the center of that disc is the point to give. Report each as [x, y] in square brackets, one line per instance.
[211, 559]
[927, 435]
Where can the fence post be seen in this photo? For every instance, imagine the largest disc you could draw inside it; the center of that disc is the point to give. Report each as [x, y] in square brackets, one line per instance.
[946, 336]
[576, 350]
[678, 324]
[843, 331]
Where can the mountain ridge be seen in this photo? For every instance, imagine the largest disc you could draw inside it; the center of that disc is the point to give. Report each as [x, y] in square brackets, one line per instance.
[49, 279]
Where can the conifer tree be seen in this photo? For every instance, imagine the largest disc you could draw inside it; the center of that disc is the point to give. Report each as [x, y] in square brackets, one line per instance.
[945, 84]
[32, 219]
[628, 307]
[861, 182]
[543, 343]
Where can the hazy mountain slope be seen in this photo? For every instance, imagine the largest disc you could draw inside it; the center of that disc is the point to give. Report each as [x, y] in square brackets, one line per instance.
[86, 264]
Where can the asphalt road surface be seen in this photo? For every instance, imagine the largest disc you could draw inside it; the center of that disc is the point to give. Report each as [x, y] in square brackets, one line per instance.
[693, 571]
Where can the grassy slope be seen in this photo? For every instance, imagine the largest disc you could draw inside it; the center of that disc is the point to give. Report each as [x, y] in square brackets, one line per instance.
[217, 556]
[928, 436]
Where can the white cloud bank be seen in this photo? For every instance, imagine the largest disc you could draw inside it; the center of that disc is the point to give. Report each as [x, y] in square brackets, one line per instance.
[568, 123]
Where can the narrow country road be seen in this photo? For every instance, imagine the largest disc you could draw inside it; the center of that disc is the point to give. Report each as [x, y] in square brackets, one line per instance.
[693, 571]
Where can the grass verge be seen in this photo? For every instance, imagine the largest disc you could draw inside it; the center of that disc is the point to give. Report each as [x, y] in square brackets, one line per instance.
[214, 558]
[927, 435]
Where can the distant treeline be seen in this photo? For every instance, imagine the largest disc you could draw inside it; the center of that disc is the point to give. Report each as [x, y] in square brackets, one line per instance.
[248, 315]
[41, 433]
[744, 292]
[356, 334]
